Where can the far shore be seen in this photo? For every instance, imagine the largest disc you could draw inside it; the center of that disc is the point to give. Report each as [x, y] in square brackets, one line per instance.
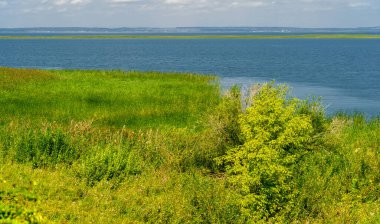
[107, 36]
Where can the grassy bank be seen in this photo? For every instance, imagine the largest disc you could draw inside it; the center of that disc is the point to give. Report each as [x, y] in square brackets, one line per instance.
[287, 36]
[134, 147]
[107, 98]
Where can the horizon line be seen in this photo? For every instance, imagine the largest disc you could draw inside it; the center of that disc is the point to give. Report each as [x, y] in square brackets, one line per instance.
[186, 27]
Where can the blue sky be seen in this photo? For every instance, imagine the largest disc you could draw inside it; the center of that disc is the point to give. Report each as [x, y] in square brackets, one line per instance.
[174, 13]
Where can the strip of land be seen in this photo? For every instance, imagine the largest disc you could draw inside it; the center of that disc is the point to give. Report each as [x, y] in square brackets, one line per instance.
[302, 36]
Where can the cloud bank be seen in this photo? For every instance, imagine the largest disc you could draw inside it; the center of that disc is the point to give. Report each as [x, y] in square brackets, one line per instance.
[311, 13]
[189, 4]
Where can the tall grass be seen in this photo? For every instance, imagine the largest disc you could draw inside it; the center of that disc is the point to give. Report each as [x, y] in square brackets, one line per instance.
[133, 147]
[340, 181]
[109, 98]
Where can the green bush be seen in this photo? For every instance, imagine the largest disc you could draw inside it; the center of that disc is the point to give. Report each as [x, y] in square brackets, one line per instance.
[13, 207]
[342, 178]
[275, 133]
[110, 163]
[221, 133]
[45, 148]
[225, 119]
[17, 214]
[172, 197]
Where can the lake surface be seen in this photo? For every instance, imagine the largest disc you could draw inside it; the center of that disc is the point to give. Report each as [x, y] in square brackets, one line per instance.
[344, 72]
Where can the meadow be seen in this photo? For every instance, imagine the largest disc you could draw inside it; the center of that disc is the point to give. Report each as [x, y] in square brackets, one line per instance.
[80, 146]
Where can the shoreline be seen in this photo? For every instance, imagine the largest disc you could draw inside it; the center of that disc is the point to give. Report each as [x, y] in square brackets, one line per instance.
[301, 36]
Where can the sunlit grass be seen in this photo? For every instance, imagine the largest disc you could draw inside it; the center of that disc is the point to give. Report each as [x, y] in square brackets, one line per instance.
[109, 98]
[140, 147]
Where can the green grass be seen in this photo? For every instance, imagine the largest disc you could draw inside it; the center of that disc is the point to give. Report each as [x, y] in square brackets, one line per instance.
[340, 182]
[105, 147]
[107, 98]
[287, 36]
[141, 147]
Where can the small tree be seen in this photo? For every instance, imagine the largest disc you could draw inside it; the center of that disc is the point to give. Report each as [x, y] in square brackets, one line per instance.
[275, 133]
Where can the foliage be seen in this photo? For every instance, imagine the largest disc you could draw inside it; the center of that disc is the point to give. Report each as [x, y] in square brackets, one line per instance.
[13, 210]
[110, 163]
[275, 135]
[45, 148]
[342, 178]
[135, 147]
[224, 121]
[15, 214]
[222, 132]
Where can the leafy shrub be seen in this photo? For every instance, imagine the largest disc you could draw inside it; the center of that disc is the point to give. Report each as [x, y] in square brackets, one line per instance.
[225, 119]
[16, 214]
[343, 176]
[222, 132]
[275, 134]
[313, 108]
[110, 163]
[211, 202]
[12, 208]
[45, 148]
[172, 197]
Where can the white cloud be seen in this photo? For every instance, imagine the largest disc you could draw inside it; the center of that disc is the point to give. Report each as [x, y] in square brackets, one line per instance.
[212, 5]
[69, 2]
[60, 2]
[176, 2]
[198, 5]
[78, 2]
[253, 4]
[358, 4]
[124, 1]
[192, 12]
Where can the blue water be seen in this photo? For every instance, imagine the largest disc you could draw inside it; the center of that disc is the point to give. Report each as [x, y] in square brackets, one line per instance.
[345, 73]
